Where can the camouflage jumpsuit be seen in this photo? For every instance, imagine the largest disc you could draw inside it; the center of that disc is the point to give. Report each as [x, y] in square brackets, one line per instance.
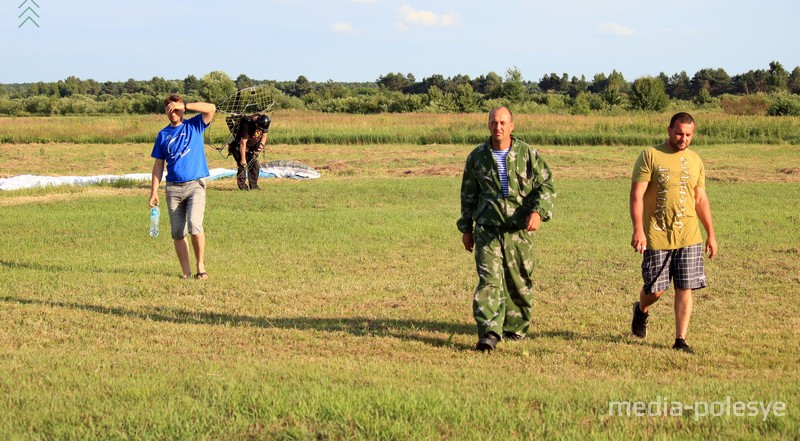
[504, 255]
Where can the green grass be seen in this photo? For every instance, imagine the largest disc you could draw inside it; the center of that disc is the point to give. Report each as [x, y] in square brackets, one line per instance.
[340, 308]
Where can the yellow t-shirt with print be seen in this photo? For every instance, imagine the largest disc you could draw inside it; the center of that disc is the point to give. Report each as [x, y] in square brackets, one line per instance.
[670, 219]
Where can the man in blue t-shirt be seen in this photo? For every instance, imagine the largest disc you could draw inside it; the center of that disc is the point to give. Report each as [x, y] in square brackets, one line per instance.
[180, 145]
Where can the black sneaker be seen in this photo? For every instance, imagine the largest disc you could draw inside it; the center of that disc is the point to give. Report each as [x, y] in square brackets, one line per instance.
[512, 336]
[639, 322]
[680, 345]
[488, 342]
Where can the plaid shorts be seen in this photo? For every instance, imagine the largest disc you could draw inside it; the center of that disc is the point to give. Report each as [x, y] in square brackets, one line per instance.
[684, 266]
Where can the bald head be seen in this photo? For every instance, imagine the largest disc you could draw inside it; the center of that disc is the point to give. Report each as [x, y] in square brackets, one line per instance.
[501, 124]
[501, 109]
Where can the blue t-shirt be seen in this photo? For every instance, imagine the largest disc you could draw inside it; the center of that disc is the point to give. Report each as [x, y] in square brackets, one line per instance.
[182, 149]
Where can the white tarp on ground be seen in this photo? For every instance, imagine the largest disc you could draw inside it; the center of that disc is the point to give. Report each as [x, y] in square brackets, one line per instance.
[273, 169]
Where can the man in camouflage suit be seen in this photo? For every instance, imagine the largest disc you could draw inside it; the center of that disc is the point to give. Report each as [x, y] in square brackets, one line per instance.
[506, 193]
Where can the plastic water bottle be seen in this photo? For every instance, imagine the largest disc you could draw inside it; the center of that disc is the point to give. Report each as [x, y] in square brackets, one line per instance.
[155, 216]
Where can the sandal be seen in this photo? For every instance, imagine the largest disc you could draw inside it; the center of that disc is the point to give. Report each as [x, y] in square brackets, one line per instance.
[201, 276]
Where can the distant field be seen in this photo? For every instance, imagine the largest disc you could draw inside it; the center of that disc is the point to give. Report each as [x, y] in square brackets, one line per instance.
[306, 127]
[339, 308]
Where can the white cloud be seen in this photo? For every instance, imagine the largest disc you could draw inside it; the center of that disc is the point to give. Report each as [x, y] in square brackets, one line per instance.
[616, 29]
[342, 28]
[410, 17]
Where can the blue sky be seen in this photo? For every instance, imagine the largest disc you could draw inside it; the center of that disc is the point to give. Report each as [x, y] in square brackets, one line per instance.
[359, 40]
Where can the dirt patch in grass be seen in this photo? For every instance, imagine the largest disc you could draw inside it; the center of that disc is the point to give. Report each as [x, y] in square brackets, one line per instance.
[429, 171]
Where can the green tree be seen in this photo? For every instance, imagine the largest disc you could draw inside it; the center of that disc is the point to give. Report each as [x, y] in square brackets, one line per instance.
[458, 80]
[112, 88]
[581, 105]
[466, 100]
[160, 86]
[130, 86]
[648, 93]
[439, 101]
[71, 86]
[714, 81]
[243, 82]
[488, 85]
[41, 88]
[513, 88]
[395, 81]
[777, 78]
[553, 82]
[301, 86]
[793, 84]
[599, 83]
[190, 84]
[577, 86]
[754, 81]
[679, 86]
[616, 88]
[216, 86]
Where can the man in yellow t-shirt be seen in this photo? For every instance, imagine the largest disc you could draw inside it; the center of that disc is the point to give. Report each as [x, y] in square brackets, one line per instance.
[668, 198]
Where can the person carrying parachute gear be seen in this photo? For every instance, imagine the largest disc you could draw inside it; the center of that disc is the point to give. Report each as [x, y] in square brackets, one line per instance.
[250, 135]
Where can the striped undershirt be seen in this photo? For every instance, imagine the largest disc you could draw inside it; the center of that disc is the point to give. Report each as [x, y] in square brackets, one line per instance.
[500, 159]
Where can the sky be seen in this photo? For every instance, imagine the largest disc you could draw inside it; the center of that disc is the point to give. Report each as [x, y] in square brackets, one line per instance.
[361, 40]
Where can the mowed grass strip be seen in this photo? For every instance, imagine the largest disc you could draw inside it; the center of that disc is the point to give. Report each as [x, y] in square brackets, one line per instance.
[341, 308]
[724, 162]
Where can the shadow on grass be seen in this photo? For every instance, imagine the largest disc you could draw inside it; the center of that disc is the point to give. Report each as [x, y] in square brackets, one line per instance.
[357, 326]
[64, 269]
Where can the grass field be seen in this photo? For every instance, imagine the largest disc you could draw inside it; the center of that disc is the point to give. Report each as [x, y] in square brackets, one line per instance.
[339, 308]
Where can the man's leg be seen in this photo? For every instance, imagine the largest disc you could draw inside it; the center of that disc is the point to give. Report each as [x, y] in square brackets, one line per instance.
[195, 209]
[182, 250]
[656, 278]
[684, 304]
[254, 168]
[199, 246]
[689, 276]
[647, 299]
[519, 263]
[177, 222]
[241, 177]
[488, 304]
[241, 172]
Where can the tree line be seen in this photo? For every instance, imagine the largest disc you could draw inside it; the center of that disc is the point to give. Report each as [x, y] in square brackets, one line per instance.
[772, 91]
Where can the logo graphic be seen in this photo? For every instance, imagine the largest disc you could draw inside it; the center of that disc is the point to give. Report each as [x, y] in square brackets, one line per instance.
[28, 13]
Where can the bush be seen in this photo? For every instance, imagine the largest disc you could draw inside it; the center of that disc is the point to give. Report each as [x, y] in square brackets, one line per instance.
[556, 103]
[581, 104]
[784, 105]
[755, 104]
[39, 105]
[10, 107]
[648, 93]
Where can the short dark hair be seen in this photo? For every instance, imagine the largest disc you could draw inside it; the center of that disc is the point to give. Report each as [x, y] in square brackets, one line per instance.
[171, 98]
[681, 117]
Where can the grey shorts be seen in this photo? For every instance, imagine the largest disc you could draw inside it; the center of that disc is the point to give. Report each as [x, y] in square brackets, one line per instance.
[684, 266]
[186, 202]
